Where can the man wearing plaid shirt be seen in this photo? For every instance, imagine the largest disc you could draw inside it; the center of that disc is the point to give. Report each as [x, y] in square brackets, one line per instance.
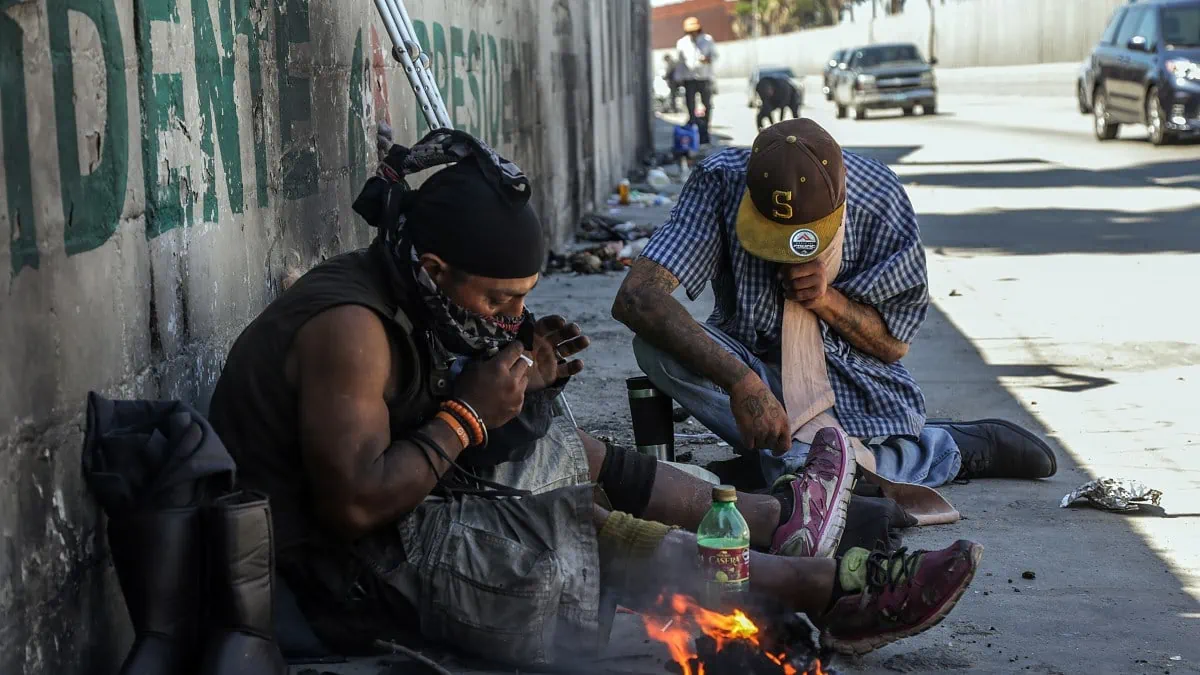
[727, 371]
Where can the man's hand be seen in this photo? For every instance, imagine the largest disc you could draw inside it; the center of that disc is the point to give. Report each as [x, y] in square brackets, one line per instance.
[806, 283]
[760, 416]
[496, 388]
[555, 341]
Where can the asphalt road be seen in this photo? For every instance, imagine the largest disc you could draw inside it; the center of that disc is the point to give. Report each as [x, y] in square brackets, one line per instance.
[1064, 274]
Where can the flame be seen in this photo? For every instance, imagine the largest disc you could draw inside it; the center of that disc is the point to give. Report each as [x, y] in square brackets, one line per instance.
[689, 618]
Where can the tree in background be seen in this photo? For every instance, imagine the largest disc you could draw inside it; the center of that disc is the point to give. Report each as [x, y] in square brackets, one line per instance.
[786, 16]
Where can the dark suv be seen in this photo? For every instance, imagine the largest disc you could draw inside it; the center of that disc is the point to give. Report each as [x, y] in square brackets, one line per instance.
[1146, 70]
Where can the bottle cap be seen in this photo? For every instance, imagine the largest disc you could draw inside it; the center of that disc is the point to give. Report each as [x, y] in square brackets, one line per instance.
[724, 493]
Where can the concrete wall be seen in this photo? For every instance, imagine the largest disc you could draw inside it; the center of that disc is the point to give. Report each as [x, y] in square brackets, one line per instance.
[166, 162]
[975, 33]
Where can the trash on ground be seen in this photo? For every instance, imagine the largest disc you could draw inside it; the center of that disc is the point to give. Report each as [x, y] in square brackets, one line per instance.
[596, 259]
[1028, 574]
[657, 178]
[633, 249]
[643, 199]
[596, 227]
[1113, 494]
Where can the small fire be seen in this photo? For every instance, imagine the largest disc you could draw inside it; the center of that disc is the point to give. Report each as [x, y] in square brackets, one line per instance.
[689, 619]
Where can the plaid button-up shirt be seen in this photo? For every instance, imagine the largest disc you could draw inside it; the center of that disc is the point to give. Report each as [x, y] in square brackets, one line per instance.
[883, 265]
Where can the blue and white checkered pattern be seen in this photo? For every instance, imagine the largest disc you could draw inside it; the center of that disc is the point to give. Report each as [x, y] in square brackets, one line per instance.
[883, 265]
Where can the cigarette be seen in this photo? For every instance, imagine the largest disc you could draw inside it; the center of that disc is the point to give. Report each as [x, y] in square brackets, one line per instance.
[668, 625]
[577, 337]
[528, 361]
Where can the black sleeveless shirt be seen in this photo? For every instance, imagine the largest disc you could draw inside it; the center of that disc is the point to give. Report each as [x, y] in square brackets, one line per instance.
[255, 411]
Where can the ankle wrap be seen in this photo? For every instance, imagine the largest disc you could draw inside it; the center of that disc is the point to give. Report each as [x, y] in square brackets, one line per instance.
[627, 477]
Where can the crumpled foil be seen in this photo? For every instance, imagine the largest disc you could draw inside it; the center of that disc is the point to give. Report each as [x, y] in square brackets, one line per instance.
[1113, 494]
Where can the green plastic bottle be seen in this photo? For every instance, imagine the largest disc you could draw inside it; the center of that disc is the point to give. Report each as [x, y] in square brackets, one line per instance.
[724, 541]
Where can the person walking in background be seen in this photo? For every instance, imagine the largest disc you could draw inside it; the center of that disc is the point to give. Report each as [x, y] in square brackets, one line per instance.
[674, 73]
[697, 51]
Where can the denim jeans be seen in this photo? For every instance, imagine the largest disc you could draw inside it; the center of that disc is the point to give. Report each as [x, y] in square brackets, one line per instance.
[931, 459]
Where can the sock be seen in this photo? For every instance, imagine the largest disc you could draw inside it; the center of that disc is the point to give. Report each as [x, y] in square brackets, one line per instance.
[852, 571]
[851, 576]
[626, 541]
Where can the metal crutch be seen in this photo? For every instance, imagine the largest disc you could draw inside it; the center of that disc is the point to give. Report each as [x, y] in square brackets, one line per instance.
[407, 51]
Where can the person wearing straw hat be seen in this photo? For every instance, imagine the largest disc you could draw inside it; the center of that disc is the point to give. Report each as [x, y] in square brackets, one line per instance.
[697, 51]
[816, 262]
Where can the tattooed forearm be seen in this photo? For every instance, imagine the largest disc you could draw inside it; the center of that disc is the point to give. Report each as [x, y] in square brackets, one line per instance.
[861, 326]
[645, 305]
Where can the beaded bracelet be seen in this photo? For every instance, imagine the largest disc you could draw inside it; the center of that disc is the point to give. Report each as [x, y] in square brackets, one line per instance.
[470, 422]
[470, 419]
[455, 426]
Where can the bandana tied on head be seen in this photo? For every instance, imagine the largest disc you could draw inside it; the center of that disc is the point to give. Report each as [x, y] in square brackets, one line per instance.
[474, 214]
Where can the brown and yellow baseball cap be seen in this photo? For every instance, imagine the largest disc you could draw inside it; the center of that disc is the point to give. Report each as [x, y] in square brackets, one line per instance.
[795, 193]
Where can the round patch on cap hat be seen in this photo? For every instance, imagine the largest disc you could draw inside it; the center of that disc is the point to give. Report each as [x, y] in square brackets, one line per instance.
[804, 243]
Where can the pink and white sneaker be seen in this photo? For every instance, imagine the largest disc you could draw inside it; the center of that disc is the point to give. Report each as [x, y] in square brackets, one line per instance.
[820, 496]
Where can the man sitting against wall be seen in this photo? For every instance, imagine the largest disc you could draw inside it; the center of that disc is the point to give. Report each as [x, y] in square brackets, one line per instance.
[395, 403]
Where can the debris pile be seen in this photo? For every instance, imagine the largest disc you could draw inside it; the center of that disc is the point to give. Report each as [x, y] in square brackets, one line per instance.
[608, 245]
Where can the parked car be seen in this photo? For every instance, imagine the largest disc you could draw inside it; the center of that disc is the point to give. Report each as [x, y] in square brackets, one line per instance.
[885, 76]
[1146, 70]
[836, 62]
[769, 71]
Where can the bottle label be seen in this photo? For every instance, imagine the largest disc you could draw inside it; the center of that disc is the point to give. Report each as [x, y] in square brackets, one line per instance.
[725, 565]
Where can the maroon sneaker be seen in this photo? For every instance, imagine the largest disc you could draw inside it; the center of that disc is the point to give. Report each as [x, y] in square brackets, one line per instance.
[819, 499]
[900, 594]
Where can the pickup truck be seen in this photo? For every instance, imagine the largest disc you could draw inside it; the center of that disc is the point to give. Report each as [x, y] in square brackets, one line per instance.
[878, 77]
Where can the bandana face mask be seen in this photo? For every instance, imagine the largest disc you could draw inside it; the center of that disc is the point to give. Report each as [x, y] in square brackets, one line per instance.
[462, 331]
[384, 202]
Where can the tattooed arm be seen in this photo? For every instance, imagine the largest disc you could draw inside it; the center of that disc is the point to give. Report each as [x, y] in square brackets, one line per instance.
[646, 306]
[861, 325]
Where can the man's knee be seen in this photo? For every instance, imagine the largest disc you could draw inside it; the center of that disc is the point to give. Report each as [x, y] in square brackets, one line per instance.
[649, 358]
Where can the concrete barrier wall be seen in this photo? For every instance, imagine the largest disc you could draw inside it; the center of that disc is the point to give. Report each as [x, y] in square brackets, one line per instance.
[167, 162]
[974, 33]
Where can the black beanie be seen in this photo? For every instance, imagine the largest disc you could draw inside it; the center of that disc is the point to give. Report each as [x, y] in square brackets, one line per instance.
[459, 216]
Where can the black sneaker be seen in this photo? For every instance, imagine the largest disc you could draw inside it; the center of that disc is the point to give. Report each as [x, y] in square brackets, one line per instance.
[999, 449]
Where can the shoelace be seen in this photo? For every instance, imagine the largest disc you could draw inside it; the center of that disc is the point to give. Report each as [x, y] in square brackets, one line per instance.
[883, 572]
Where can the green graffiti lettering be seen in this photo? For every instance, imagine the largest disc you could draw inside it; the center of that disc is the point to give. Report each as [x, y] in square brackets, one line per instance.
[100, 195]
[14, 133]
[494, 92]
[357, 120]
[301, 165]
[244, 25]
[215, 88]
[162, 109]
[473, 65]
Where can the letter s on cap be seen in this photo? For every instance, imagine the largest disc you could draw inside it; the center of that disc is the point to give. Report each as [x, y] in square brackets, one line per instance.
[783, 200]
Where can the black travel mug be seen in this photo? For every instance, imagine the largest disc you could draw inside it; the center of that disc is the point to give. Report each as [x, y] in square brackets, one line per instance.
[653, 425]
